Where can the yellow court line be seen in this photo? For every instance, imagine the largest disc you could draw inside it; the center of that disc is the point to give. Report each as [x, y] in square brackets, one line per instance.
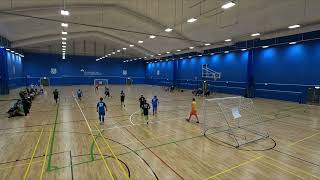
[106, 142]
[33, 153]
[8, 167]
[284, 164]
[303, 139]
[288, 170]
[234, 167]
[46, 154]
[94, 139]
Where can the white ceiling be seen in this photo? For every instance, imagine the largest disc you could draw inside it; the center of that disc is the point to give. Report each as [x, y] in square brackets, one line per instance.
[148, 16]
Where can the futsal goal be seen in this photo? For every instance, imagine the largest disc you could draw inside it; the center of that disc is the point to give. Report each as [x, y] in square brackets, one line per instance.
[44, 81]
[101, 82]
[233, 121]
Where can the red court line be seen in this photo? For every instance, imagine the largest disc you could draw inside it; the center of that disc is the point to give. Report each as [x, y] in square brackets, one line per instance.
[155, 154]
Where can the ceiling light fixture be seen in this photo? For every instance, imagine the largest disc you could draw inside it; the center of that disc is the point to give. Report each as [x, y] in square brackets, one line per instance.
[64, 32]
[124, 48]
[243, 49]
[113, 52]
[152, 36]
[291, 43]
[64, 13]
[255, 34]
[228, 40]
[168, 52]
[64, 25]
[207, 44]
[118, 50]
[192, 20]
[191, 47]
[265, 47]
[168, 30]
[228, 5]
[294, 26]
[226, 52]
[131, 45]
[63, 39]
[64, 43]
[178, 50]
[140, 42]
[159, 54]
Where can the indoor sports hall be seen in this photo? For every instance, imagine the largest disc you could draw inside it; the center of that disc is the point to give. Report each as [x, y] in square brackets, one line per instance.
[160, 89]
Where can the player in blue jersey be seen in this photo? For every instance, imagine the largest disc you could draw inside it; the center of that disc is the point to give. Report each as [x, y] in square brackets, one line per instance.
[155, 103]
[101, 109]
[79, 94]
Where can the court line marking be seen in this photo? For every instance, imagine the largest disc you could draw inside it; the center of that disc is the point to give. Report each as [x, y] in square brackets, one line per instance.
[33, 153]
[23, 164]
[155, 155]
[284, 164]
[151, 122]
[45, 155]
[294, 143]
[102, 156]
[106, 142]
[288, 168]
[132, 115]
[52, 138]
[234, 167]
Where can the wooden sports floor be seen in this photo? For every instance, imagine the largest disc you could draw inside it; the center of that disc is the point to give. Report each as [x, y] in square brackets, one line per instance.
[65, 141]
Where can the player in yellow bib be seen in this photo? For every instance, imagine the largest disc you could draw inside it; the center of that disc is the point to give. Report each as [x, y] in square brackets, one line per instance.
[193, 110]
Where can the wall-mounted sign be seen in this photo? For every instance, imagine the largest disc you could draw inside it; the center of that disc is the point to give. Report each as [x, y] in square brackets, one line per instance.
[53, 71]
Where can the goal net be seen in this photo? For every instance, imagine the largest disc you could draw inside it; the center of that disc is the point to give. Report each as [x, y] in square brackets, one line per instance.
[233, 120]
[44, 81]
[101, 82]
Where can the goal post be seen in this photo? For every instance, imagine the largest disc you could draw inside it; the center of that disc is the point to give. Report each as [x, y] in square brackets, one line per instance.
[44, 81]
[101, 82]
[233, 121]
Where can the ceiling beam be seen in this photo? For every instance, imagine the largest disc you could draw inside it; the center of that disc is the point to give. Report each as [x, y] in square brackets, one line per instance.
[74, 35]
[53, 10]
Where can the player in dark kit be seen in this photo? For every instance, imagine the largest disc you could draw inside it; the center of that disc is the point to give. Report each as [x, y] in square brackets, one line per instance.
[122, 96]
[79, 94]
[146, 108]
[101, 109]
[107, 91]
[56, 95]
[141, 100]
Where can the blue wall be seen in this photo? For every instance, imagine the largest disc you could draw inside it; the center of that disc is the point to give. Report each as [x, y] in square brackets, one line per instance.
[282, 72]
[11, 71]
[4, 77]
[69, 71]
[165, 76]
[15, 70]
[233, 67]
[285, 72]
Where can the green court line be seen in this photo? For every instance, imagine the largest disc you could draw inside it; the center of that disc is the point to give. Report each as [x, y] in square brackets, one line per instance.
[50, 167]
[89, 161]
[92, 147]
